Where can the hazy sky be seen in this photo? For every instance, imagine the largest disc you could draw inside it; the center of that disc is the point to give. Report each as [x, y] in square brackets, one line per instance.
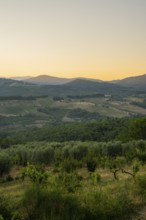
[104, 39]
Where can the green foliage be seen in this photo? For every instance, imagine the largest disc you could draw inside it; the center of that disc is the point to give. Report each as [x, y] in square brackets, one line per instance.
[141, 186]
[74, 193]
[96, 178]
[69, 165]
[114, 149]
[68, 181]
[135, 131]
[5, 208]
[52, 205]
[4, 143]
[91, 164]
[101, 130]
[36, 174]
[115, 165]
[5, 164]
[71, 155]
[1, 217]
[44, 156]
[136, 167]
[104, 206]
[92, 205]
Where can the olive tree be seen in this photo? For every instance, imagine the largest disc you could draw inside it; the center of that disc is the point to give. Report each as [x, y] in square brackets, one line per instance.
[5, 164]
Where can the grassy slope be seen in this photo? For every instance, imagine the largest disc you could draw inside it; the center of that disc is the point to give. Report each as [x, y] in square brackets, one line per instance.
[108, 184]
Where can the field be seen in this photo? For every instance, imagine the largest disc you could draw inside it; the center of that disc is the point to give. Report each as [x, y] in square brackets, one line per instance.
[20, 114]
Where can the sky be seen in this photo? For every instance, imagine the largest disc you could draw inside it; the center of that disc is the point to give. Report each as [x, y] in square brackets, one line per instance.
[102, 39]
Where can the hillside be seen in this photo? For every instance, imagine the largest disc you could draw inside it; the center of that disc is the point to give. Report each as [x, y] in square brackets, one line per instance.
[138, 82]
[48, 80]
[51, 80]
[9, 87]
[90, 87]
[23, 104]
[12, 82]
[20, 78]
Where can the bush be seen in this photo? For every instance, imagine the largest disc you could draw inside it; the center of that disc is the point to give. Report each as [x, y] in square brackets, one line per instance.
[70, 165]
[5, 164]
[36, 174]
[141, 186]
[96, 178]
[100, 205]
[51, 205]
[5, 208]
[69, 181]
[91, 164]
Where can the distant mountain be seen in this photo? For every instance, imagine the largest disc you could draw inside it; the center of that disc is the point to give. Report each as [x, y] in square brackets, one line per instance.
[82, 83]
[138, 82]
[51, 80]
[12, 82]
[92, 84]
[76, 87]
[87, 79]
[84, 86]
[48, 80]
[20, 78]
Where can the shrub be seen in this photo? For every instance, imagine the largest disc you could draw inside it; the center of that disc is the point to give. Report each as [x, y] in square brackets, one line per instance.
[5, 164]
[91, 164]
[96, 178]
[100, 205]
[69, 165]
[5, 207]
[36, 173]
[141, 186]
[69, 181]
[52, 205]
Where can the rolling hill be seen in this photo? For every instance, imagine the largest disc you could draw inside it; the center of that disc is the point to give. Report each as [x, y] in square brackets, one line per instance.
[51, 80]
[138, 82]
[80, 86]
[48, 80]
[25, 104]
[77, 87]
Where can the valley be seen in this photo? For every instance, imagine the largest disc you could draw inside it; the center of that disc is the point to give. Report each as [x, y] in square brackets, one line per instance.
[21, 113]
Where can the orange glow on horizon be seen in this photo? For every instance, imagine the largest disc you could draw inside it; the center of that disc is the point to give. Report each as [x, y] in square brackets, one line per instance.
[94, 39]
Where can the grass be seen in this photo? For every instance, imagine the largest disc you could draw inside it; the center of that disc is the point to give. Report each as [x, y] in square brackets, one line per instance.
[107, 179]
[14, 189]
[88, 187]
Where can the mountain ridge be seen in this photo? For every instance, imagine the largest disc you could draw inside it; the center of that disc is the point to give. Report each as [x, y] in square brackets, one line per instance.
[52, 80]
[133, 81]
[137, 82]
